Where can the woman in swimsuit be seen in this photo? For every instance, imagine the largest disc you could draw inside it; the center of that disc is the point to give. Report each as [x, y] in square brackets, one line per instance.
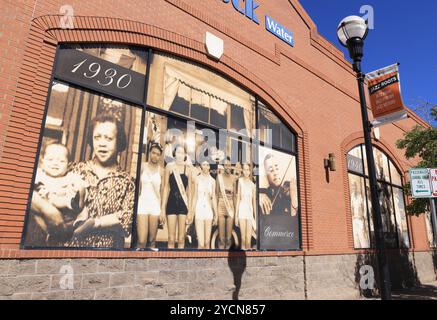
[226, 190]
[177, 197]
[204, 206]
[149, 203]
[246, 202]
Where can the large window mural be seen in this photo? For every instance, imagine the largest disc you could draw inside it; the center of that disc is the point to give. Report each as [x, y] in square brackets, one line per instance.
[391, 197]
[178, 164]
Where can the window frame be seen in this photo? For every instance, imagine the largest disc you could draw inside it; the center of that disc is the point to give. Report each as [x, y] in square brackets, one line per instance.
[253, 140]
[392, 186]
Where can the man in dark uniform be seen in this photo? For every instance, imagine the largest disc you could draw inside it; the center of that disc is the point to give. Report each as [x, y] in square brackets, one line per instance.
[279, 224]
[276, 198]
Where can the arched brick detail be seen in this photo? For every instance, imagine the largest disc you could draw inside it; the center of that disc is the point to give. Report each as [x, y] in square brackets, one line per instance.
[348, 144]
[358, 138]
[21, 142]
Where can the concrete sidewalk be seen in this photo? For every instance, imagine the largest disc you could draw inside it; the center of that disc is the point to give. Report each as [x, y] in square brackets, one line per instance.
[424, 292]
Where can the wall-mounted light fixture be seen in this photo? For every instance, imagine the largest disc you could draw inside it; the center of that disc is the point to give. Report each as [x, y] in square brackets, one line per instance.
[330, 163]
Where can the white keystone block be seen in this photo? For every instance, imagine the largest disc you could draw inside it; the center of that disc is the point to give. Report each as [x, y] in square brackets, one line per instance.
[377, 134]
[214, 45]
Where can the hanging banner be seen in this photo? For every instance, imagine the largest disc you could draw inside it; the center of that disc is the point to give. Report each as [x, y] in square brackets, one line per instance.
[385, 96]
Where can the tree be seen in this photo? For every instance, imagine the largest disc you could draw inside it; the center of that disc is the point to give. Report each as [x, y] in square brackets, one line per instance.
[434, 112]
[420, 142]
[426, 110]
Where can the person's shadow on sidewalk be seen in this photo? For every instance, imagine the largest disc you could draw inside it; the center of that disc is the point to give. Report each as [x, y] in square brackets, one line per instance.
[237, 264]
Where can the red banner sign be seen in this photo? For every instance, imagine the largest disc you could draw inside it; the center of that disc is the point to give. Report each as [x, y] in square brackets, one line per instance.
[385, 96]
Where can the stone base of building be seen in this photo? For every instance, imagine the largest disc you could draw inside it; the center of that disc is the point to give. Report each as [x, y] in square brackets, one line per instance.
[266, 278]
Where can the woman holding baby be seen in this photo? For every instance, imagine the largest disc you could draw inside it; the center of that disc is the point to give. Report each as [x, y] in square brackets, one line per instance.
[106, 219]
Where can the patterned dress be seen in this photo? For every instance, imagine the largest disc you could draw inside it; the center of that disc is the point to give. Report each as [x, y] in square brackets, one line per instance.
[113, 194]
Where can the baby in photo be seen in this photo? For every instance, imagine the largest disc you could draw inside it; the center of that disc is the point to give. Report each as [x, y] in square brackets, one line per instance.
[62, 188]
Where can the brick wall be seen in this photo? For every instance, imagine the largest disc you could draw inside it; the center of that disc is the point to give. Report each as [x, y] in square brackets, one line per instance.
[14, 27]
[311, 86]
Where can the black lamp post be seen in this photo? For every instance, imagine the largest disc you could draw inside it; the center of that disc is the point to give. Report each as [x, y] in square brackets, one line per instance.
[351, 33]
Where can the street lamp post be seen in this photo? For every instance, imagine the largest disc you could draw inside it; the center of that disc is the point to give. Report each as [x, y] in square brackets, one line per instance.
[352, 32]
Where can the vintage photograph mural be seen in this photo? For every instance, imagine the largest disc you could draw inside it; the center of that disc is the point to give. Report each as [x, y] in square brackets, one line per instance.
[185, 166]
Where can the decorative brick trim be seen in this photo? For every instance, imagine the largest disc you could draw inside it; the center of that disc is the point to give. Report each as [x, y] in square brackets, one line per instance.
[358, 138]
[349, 227]
[320, 42]
[14, 253]
[6, 253]
[306, 195]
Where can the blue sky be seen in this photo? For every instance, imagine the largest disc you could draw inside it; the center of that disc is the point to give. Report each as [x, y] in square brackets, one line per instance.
[404, 31]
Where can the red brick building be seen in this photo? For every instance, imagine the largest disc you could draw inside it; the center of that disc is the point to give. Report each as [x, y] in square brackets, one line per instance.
[309, 87]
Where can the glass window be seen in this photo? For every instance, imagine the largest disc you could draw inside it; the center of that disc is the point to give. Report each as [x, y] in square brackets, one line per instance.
[395, 175]
[381, 163]
[193, 91]
[273, 131]
[181, 88]
[240, 150]
[356, 152]
[86, 172]
[355, 161]
[401, 217]
[430, 230]
[391, 198]
[360, 219]
[190, 150]
[278, 204]
[212, 187]
[370, 210]
[388, 214]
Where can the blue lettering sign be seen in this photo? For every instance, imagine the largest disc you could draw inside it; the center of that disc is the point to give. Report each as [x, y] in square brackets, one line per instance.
[248, 7]
[248, 10]
[280, 31]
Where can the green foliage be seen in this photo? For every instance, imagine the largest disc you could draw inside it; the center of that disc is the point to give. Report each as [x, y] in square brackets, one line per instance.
[417, 206]
[420, 142]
